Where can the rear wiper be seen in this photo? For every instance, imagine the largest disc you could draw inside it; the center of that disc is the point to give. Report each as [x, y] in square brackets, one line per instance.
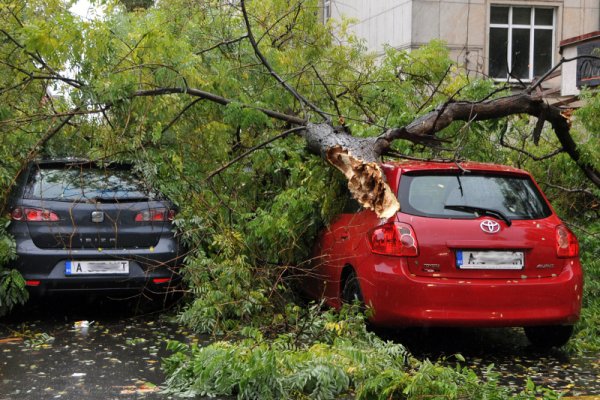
[480, 211]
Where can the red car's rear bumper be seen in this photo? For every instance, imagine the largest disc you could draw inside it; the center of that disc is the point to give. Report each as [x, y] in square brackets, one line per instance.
[402, 299]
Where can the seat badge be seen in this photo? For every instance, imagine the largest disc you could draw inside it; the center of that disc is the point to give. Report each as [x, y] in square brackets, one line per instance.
[489, 226]
[97, 216]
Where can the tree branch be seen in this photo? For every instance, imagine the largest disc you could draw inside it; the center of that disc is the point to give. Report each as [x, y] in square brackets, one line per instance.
[274, 74]
[563, 60]
[223, 43]
[569, 190]
[251, 150]
[522, 103]
[217, 99]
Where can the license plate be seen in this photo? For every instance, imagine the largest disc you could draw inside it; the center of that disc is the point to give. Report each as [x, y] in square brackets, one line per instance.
[467, 259]
[96, 267]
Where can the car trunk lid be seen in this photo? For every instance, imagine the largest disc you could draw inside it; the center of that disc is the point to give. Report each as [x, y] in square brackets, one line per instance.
[451, 248]
[83, 225]
[82, 205]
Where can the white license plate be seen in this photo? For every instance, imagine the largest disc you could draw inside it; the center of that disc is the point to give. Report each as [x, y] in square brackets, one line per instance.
[96, 267]
[467, 259]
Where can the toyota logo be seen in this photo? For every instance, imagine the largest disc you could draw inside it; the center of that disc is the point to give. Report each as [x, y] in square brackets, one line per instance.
[489, 226]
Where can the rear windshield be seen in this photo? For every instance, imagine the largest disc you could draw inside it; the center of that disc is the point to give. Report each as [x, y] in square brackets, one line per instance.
[459, 196]
[86, 183]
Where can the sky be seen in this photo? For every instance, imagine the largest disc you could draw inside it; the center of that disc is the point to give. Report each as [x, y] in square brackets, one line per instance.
[84, 9]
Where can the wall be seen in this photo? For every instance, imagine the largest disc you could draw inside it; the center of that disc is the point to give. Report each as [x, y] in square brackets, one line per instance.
[463, 24]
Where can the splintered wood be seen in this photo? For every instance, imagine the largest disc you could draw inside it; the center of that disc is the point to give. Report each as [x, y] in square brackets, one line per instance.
[366, 182]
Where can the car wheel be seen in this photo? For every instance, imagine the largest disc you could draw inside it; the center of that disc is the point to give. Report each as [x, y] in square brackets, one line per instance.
[549, 336]
[351, 291]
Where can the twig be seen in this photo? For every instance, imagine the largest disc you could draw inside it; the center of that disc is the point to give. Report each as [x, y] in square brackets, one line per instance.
[274, 74]
[435, 90]
[568, 190]
[563, 60]
[180, 114]
[253, 149]
[528, 154]
[223, 43]
[331, 96]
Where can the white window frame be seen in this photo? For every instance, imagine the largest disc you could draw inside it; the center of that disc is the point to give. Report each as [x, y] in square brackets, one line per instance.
[532, 27]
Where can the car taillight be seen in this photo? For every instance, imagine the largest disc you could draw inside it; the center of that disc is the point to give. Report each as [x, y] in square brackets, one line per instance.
[394, 239]
[33, 215]
[154, 215]
[566, 242]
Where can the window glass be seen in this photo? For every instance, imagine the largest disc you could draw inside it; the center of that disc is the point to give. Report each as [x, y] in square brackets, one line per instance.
[499, 15]
[542, 42]
[430, 195]
[521, 16]
[79, 183]
[510, 45]
[520, 53]
[544, 16]
[498, 52]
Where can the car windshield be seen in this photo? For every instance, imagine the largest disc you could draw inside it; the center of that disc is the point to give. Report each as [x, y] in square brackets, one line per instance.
[468, 195]
[86, 183]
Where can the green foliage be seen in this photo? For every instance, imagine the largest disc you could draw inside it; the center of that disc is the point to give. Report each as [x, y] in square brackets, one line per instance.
[587, 330]
[588, 127]
[293, 365]
[12, 290]
[329, 355]
[12, 284]
[226, 289]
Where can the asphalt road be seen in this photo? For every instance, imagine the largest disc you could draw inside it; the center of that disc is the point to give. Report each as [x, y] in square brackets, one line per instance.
[92, 349]
[74, 348]
[512, 356]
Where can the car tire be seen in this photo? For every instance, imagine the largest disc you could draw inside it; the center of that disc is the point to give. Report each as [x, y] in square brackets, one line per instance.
[351, 291]
[546, 337]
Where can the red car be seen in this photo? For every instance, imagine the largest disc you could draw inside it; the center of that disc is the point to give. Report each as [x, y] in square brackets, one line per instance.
[474, 245]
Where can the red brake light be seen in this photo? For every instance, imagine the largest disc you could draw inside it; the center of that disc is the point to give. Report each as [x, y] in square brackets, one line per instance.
[33, 215]
[566, 242]
[155, 215]
[394, 239]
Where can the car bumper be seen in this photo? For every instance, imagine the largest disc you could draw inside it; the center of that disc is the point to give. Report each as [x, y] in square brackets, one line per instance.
[402, 299]
[153, 269]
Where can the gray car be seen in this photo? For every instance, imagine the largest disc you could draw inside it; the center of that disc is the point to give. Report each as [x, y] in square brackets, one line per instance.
[82, 226]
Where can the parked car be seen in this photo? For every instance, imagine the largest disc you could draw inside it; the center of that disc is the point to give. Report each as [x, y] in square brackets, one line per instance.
[474, 245]
[82, 226]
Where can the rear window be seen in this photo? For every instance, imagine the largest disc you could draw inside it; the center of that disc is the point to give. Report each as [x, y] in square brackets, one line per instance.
[436, 195]
[87, 183]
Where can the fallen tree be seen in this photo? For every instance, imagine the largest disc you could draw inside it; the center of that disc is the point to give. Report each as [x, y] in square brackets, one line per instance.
[355, 156]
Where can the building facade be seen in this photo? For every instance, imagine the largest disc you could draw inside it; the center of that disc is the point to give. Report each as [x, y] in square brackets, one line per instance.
[503, 39]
